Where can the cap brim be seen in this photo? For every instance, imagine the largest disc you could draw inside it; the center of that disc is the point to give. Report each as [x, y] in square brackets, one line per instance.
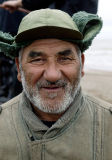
[48, 32]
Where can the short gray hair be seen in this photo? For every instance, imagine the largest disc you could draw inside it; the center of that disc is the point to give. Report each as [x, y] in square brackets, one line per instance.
[20, 58]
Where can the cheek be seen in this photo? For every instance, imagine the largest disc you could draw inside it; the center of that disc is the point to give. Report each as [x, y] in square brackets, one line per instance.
[72, 73]
[32, 75]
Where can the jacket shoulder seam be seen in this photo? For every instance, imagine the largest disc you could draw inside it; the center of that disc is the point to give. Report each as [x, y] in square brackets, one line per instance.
[100, 103]
[11, 103]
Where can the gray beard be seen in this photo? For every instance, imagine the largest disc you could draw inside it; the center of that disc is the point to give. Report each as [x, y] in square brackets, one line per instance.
[33, 95]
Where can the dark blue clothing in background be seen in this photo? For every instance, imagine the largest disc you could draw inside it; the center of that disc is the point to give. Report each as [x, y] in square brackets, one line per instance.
[9, 22]
[9, 85]
[69, 6]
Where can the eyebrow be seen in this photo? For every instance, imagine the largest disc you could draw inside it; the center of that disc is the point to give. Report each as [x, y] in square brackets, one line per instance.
[33, 54]
[65, 52]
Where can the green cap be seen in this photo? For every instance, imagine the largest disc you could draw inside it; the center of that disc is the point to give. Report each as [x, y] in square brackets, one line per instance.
[47, 23]
[80, 29]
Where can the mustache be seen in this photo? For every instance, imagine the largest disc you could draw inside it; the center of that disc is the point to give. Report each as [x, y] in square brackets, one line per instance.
[45, 83]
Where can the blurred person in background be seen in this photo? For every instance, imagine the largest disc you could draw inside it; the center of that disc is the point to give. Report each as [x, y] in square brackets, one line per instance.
[69, 6]
[9, 23]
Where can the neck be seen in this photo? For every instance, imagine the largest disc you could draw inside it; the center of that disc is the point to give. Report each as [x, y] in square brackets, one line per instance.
[46, 116]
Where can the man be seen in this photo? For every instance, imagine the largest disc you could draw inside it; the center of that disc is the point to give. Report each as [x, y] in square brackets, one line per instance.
[69, 6]
[52, 119]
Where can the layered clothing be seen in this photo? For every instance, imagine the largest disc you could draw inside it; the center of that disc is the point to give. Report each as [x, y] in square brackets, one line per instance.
[84, 132]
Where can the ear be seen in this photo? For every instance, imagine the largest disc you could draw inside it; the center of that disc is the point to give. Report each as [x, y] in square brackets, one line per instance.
[18, 69]
[83, 60]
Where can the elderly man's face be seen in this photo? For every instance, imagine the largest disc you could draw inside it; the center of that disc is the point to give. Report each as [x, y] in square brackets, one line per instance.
[50, 73]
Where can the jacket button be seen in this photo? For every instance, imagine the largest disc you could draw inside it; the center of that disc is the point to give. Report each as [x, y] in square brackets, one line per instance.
[110, 109]
[0, 109]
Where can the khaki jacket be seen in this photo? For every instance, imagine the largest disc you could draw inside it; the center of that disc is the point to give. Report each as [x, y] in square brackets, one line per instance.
[83, 133]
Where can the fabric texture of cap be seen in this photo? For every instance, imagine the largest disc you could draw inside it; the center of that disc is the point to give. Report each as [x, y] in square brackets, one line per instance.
[47, 23]
[80, 29]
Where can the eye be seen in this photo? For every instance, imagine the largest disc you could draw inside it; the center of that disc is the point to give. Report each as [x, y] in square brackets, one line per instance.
[37, 60]
[65, 59]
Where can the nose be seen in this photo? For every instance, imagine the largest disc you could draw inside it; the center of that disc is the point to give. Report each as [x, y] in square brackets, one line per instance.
[52, 73]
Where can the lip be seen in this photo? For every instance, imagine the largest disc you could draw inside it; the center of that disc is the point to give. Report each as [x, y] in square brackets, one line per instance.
[53, 88]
